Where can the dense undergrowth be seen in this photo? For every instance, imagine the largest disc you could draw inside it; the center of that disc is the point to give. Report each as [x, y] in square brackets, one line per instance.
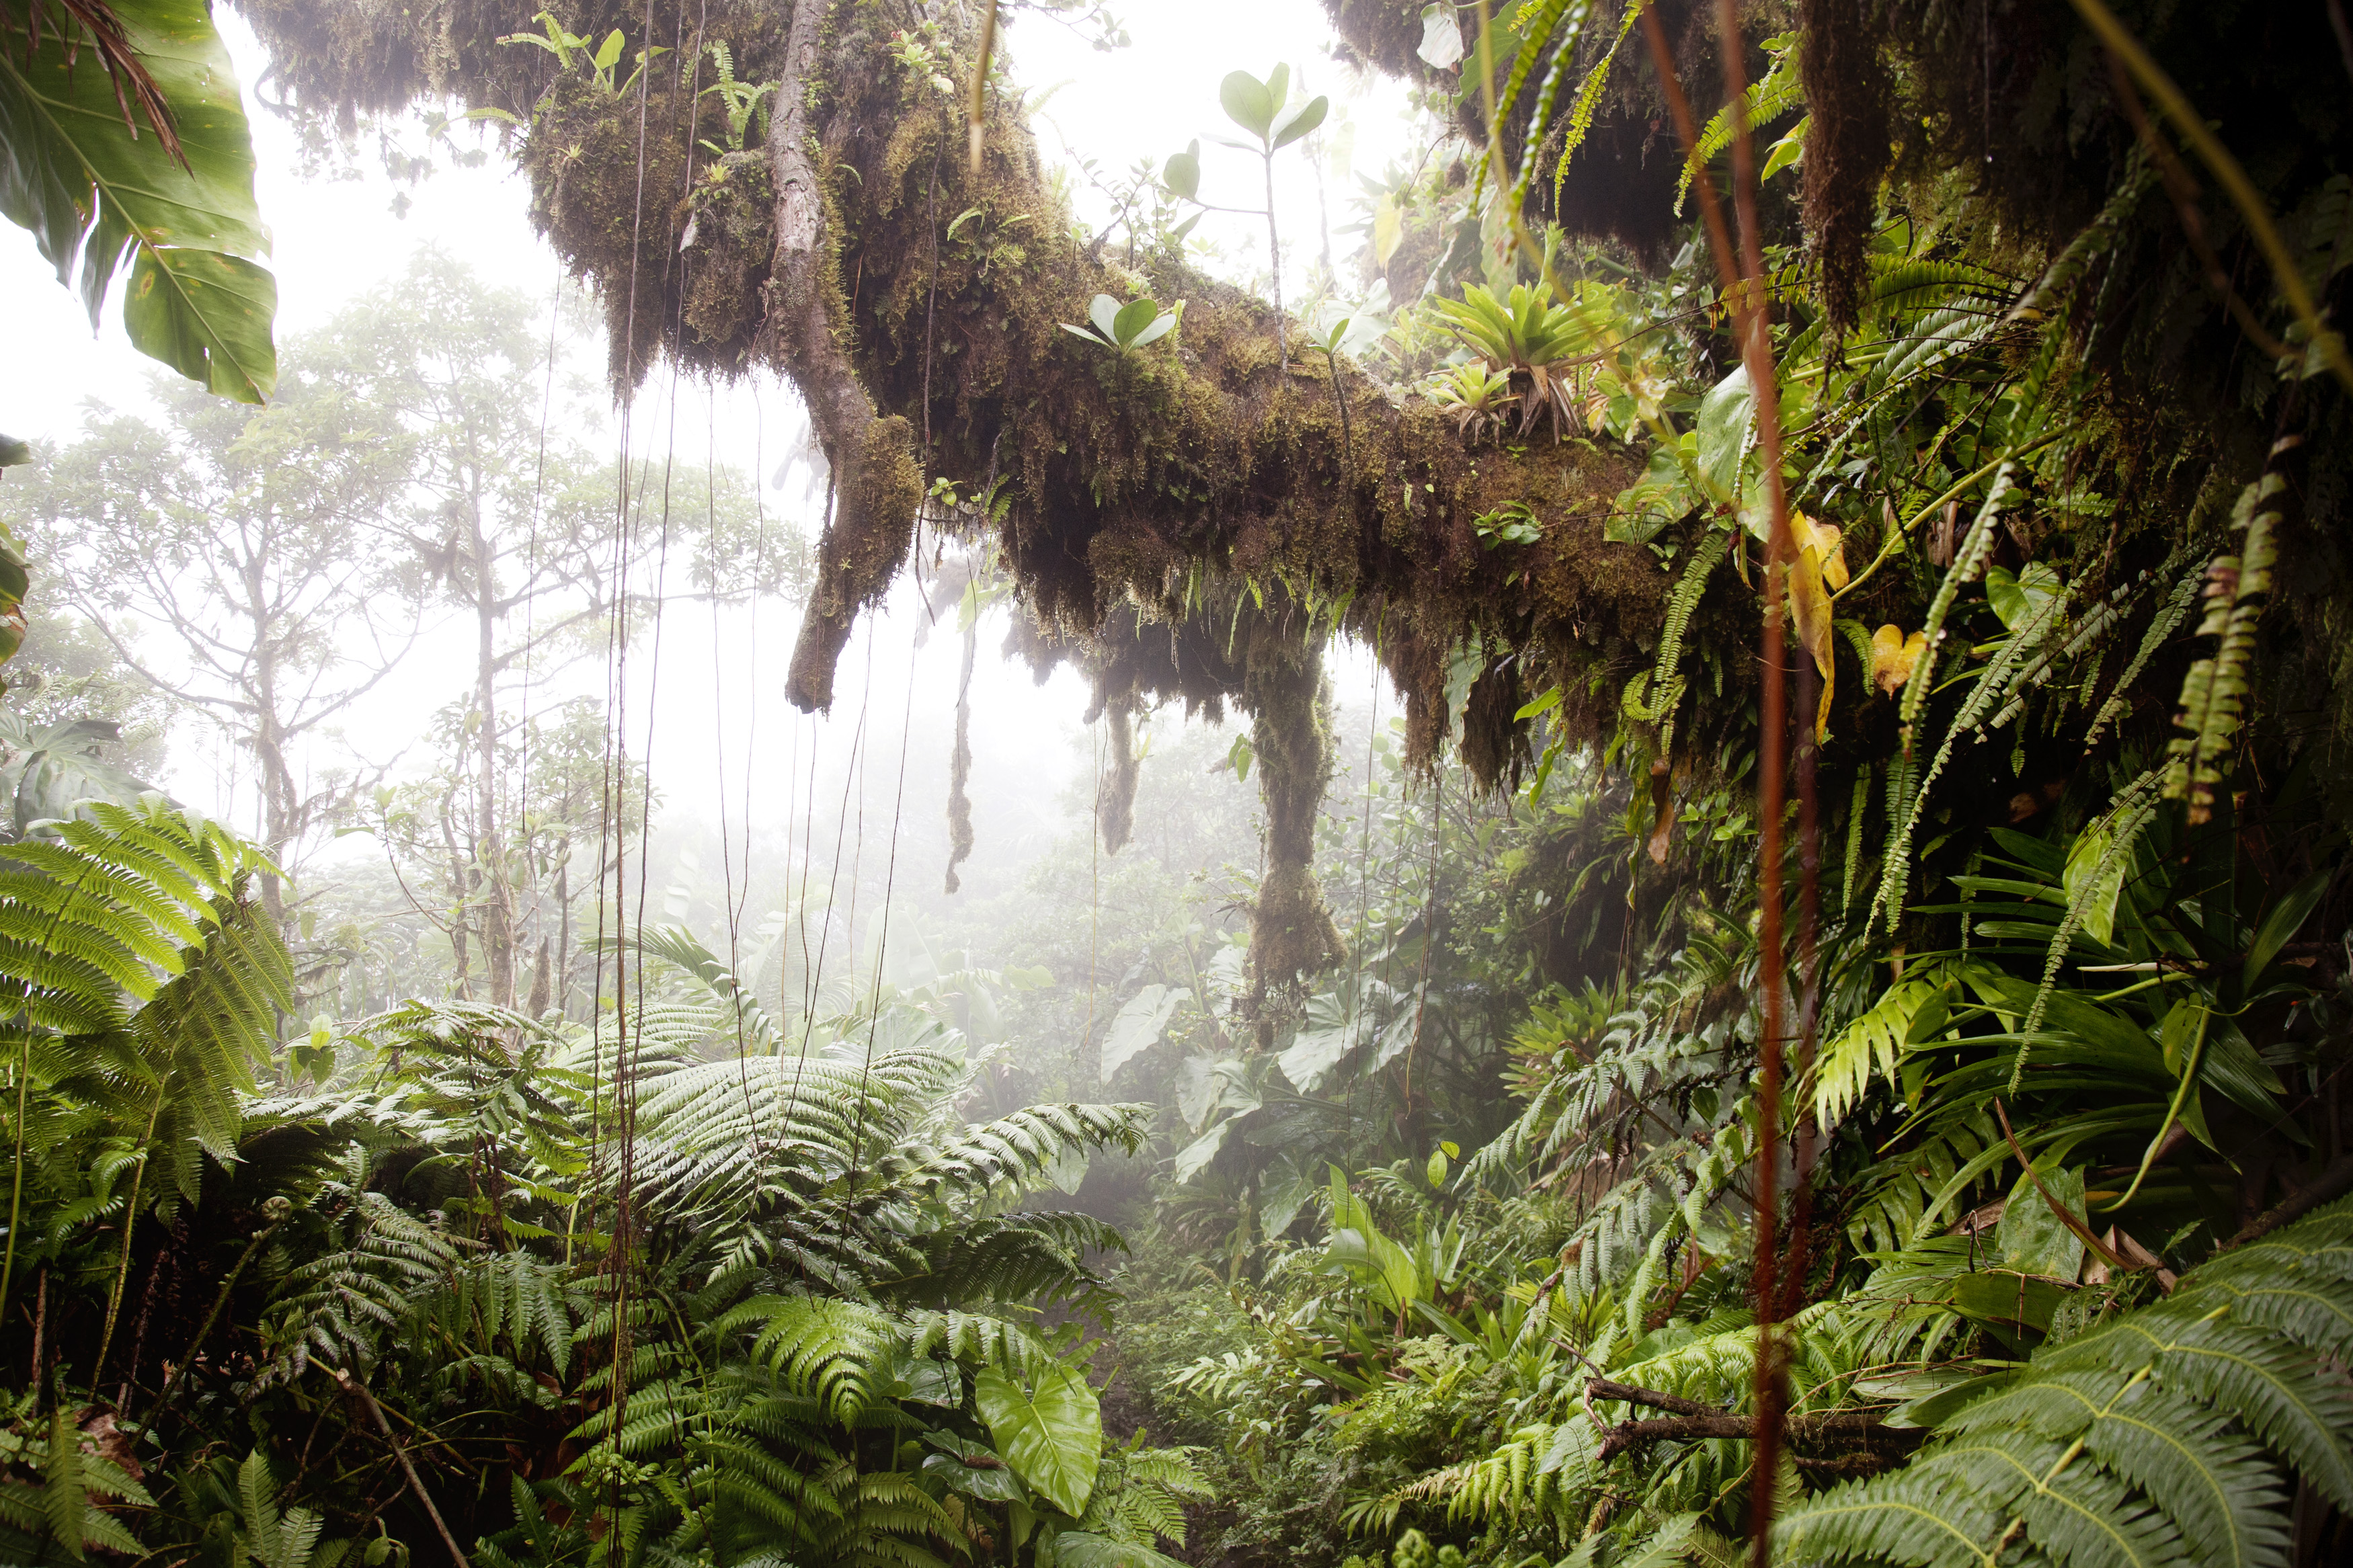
[1446, 1251]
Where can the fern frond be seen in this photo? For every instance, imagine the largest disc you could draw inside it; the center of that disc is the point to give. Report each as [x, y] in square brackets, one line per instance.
[2215, 691]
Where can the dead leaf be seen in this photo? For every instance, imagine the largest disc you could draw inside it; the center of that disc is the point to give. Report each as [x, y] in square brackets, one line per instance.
[1892, 655]
[1810, 603]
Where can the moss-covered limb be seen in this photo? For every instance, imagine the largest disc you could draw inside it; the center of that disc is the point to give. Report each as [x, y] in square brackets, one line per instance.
[878, 484]
[1130, 479]
[1135, 479]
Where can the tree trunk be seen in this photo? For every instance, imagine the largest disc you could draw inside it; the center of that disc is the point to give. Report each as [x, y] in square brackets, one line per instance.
[273, 778]
[497, 897]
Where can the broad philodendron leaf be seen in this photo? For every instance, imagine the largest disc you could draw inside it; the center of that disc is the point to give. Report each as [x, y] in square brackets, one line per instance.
[971, 1468]
[1138, 1025]
[92, 188]
[2031, 1237]
[1724, 416]
[1195, 1157]
[1052, 1438]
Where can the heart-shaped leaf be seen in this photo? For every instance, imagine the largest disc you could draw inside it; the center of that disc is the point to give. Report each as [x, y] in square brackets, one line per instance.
[971, 1468]
[1139, 1025]
[1724, 424]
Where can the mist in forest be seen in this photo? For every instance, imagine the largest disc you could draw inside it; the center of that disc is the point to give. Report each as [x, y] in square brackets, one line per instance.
[1581, 798]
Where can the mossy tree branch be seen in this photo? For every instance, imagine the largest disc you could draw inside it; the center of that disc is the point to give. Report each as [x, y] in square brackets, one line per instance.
[1141, 486]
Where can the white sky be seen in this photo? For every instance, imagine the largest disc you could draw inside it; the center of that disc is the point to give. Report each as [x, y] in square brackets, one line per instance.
[335, 239]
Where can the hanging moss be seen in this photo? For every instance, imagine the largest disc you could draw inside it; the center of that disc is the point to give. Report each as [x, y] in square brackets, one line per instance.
[1291, 934]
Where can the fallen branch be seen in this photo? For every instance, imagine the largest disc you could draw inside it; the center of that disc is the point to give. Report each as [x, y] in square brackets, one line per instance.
[1698, 1421]
[2334, 1181]
[1602, 1388]
[358, 1390]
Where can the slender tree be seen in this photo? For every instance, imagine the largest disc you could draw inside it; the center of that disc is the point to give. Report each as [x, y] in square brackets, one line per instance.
[235, 561]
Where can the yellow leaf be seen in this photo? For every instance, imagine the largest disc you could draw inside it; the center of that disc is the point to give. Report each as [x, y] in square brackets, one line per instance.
[1823, 714]
[1810, 600]
[1892, 655]
[1388, 231]
[1820, 567]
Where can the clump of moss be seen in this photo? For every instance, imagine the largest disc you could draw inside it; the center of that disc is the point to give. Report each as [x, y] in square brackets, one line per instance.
[731, 217]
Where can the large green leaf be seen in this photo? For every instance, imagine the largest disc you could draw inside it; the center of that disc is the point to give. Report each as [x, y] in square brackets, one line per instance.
[1726, 419]
[1139, 1025]
[1183, 171]
[1084, 1549]
[1052, 1438]
[93, 187]
[49, 771]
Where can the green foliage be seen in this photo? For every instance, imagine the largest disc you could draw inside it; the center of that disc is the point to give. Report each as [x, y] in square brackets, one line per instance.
[1264, 108]
[1051, 1433]
[2214, 691]
[178, 200]
[741, 99]
[1122, 329]
[1528, 335]
[2168, 1435]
